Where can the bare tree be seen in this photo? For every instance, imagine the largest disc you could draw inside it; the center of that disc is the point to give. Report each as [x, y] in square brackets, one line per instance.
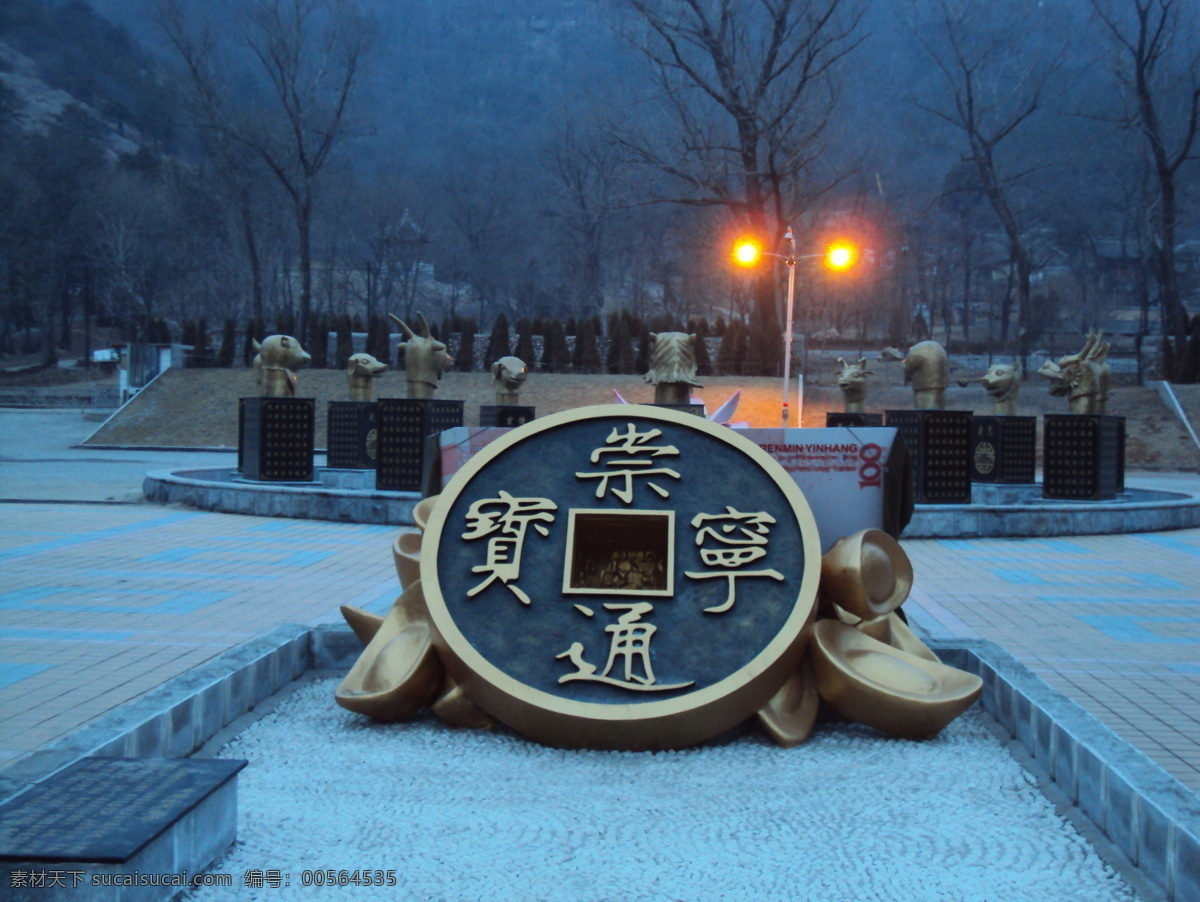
[586, 169]
[241, 174]
[995, 83]
[309, 53]
[484, 238]
[747, 87]
[1160, 79]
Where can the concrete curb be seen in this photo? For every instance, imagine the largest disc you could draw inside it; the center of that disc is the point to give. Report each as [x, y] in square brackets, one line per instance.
[1157, 512]
[1152, 818]
[307, 502]
[350, 496]
[215, 449]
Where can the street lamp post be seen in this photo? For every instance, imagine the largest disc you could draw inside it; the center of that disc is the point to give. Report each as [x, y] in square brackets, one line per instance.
[790, 262]
[838, 256]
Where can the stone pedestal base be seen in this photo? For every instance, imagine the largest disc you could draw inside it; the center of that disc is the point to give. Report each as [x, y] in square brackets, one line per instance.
[351, 437]
[102, 822]
[940, 444]
[1004, 450]
[403, 463]
[843, 420]
[1083, 457]
[275, 438]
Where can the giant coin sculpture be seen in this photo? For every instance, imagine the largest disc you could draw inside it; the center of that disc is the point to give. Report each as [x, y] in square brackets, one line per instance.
[589, 586]
[637, 578]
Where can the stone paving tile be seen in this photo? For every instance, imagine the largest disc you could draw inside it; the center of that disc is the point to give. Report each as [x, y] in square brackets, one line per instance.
[1113, 622]
[98, 605]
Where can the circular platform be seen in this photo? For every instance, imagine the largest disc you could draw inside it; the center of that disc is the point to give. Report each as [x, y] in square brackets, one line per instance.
[996, 511]
[1017, 511]
[347, 496]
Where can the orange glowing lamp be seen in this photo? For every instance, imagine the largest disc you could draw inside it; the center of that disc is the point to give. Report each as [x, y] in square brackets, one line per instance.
[747, 252]
[841, 255]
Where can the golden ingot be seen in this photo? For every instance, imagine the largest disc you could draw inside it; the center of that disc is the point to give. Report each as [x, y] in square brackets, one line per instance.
[409, 607]
[454, 709]
[890, 629]
[878, 628]
[866, 573]
[406, 553]
[827, 610]
[882, 687]
[364, 623]
[398, 672]
[423, 510]
[789, 716]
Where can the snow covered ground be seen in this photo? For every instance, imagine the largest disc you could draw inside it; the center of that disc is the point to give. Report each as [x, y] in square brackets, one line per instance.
[489, 815]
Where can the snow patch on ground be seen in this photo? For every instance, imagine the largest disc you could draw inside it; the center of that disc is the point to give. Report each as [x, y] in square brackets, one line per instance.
[488, 815]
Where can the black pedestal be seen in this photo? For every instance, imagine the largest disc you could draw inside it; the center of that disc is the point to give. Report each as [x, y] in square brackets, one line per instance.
[1120, 453]
[275, 443]
[402, 459]
[939, 442]
[506, 415]
[850, 420]
[351, 438]
[241, 430]
[1004, 450]
[1084, 457]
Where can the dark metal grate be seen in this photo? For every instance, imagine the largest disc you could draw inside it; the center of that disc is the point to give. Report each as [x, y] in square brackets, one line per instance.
[940, 443]
[351, 435]
[404, 424]
[1083, 457]
[276, 442]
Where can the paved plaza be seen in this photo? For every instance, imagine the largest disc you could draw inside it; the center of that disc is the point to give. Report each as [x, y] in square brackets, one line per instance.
[103, 597]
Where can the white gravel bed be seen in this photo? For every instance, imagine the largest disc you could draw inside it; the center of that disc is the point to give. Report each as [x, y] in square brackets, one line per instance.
[489, 815]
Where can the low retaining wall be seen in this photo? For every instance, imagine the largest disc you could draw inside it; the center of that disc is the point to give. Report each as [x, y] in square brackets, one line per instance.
[1148, 815]
[1010, 511]
[346, 496]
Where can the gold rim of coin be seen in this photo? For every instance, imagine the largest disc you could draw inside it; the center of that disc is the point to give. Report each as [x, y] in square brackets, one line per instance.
[669, 723]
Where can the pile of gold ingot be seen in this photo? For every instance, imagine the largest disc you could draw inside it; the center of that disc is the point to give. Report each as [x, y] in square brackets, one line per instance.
[862, 660]
[399, 672]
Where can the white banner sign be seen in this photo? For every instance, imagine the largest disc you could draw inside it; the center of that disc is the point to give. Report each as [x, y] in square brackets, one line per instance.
[840, 472]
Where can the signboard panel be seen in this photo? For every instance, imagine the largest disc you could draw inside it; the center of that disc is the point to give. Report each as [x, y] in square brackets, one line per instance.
[842, 472]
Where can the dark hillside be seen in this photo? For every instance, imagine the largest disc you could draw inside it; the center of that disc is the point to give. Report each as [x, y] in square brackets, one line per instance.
[76, 50]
